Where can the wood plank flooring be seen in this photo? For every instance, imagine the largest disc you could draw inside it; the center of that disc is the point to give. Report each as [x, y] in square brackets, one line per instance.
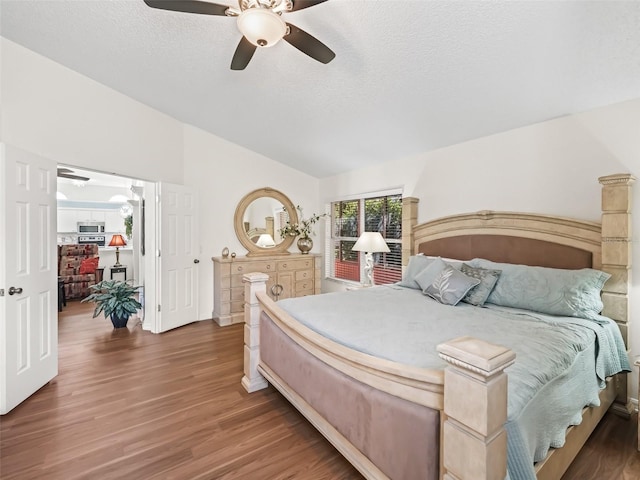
[131, 404]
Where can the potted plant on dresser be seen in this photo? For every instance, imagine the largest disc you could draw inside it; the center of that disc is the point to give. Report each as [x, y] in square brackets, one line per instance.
[115, 299]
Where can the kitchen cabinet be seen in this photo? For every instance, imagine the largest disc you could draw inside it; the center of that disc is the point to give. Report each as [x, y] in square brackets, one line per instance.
[114, 223]
[68, 219]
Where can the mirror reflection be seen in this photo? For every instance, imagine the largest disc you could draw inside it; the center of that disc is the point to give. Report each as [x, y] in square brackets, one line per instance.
[262, 221]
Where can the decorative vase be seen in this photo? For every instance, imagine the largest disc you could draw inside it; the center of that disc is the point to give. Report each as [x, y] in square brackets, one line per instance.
[119, 322]
[305, 244]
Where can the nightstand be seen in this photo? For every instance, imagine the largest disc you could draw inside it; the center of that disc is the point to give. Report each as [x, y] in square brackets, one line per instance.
[120, 269]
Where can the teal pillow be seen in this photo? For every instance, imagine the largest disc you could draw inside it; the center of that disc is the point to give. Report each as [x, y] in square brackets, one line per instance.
[553, 291]
[417, 263]
[450, 286]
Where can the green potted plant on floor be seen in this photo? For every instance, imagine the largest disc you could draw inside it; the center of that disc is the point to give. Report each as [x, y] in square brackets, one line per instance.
[115, 299]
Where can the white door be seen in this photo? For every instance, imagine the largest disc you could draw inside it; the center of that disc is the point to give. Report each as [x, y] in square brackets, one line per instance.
[178, 261]
[28, 275]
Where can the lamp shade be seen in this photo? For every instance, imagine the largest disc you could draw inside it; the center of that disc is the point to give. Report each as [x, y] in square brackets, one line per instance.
[117, 241]
[261, 26]
[265, 240]
[371, 242]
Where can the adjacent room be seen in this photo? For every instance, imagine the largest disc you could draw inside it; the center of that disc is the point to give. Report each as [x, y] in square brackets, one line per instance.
[319, 239]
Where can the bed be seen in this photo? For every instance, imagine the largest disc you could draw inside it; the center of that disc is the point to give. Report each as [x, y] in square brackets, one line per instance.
[402, 420]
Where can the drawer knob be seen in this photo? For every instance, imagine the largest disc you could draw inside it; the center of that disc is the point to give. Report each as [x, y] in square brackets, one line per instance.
[239, 269]
[284, 265]
[268, 267]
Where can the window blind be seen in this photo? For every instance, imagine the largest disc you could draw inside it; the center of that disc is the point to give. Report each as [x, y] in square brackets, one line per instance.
[348, 219]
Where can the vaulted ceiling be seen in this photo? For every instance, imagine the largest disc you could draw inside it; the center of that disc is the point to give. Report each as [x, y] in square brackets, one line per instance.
[408, 77]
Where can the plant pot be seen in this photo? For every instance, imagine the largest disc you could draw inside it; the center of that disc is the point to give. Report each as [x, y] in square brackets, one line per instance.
[305, 244]
[119, 322]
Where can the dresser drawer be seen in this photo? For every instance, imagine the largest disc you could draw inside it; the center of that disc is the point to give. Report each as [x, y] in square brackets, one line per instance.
[303, 286]
[237, 294]
[248, 267]
[237, 307]
[288, 265]
[304, 275]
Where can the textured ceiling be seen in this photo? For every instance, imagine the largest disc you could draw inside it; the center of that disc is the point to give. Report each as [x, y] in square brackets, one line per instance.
[409, 76]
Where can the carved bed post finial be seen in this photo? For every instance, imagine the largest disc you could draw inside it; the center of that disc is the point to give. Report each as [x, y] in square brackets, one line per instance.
[475, 409]
[616, 260]
[409, 220]
[253, 283]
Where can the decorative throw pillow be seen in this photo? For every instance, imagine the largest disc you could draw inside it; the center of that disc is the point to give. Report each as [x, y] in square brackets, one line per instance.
[488, 278]
[89, 265]
[429, 274]
[450, 286]
[554, 291]
[417, 263]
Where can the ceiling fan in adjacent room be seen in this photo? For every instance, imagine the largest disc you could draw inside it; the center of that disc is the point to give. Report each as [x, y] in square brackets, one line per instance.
[260, 23]
[68, 173]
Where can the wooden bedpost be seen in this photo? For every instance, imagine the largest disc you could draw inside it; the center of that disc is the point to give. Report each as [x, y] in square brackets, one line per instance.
[409, 220]
[616, 260]
[474, 442]
[253, 283]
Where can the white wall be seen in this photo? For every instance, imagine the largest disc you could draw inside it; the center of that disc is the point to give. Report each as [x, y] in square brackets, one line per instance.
[55, 112]
[223, 173]
[551, 167]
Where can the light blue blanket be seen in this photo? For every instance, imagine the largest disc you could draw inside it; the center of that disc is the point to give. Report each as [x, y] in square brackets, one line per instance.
[554, 355]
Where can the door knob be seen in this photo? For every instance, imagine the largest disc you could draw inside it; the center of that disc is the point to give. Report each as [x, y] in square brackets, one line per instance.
[196, 261]
[13, 290]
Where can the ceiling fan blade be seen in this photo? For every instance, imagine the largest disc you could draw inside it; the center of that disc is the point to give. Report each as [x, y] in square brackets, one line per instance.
[189, 6]
[68, 173]
[300, 4]
[308, 44]
[244, 52]
[73, 177]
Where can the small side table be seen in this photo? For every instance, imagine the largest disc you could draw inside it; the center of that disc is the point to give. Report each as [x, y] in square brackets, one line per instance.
[120, 269]
[99, 274]
[637, 364]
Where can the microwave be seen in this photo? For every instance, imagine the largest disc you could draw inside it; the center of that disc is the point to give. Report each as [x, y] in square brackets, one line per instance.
[90, 227]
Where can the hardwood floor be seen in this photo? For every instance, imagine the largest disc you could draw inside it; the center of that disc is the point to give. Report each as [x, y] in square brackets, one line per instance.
[131, 404]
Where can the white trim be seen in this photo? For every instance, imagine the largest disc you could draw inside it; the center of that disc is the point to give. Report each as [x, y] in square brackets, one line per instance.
[380, 193]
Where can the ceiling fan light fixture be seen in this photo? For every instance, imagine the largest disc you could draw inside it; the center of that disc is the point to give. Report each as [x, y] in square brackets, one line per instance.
[261, 26]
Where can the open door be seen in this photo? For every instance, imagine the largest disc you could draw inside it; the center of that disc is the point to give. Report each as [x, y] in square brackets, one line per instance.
[177, 256]
[28, 275]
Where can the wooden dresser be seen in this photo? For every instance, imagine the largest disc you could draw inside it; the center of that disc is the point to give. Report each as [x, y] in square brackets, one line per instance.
[293, 275]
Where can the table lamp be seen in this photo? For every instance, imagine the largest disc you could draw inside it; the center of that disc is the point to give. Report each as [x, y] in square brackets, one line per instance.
[370, 242]
[117, 241]
[266, 241]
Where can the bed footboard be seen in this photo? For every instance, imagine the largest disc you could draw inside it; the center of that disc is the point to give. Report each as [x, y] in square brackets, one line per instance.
[471, 394]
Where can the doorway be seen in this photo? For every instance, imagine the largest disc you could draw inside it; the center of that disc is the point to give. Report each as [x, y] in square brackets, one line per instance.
[93, 207]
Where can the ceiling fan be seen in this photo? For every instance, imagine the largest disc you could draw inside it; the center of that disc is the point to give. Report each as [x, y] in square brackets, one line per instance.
[68, 173]
[260, 23]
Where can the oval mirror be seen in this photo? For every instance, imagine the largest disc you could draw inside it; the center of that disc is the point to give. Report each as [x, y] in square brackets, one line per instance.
[258, 219]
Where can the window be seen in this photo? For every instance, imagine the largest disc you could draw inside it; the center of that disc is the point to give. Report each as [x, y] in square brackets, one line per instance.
[372, 214]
